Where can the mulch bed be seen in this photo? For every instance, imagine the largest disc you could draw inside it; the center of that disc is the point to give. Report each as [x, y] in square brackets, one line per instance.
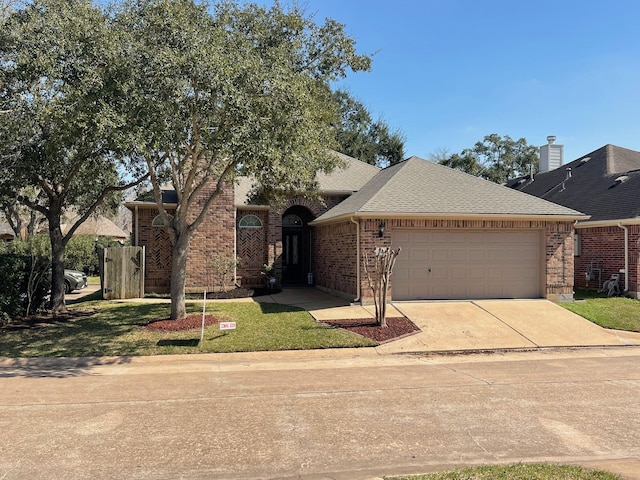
[190, 322]
[397, 327]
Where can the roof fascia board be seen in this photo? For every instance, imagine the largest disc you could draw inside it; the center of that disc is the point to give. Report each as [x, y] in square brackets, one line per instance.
[435, 216]
[608, 223]
[148, 204]
[252, 207]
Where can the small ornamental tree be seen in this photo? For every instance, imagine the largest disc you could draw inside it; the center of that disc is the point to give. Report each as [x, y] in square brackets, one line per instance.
[223, 265]
[378, 270]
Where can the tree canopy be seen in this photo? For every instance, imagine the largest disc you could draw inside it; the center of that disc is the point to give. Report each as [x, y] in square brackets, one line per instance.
[229, 90]
[495, 158]
[360, 137]
[61, 98]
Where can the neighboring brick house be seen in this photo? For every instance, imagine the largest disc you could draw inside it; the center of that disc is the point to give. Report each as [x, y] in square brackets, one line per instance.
[461, 236]
[604, 184]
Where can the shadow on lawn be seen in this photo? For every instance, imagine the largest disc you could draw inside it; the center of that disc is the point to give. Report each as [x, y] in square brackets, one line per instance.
[184, 342]
[55, 367]
[268, 308]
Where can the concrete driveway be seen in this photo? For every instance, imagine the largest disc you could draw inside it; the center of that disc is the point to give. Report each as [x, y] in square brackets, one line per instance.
[472, 325]
[500, 324]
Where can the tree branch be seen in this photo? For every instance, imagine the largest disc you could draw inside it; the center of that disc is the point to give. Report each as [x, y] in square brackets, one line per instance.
[98, 201]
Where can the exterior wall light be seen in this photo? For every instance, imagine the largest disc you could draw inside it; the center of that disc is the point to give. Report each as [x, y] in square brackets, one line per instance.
[381, 228]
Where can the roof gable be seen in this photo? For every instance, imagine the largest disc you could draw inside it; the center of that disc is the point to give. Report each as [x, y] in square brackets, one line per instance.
[421, 187]
[351, 178]
[588, 184]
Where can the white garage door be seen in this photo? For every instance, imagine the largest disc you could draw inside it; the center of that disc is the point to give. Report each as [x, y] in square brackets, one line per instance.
[467, 265]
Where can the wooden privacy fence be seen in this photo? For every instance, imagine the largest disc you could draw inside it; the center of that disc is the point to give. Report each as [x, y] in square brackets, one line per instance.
[122, 272]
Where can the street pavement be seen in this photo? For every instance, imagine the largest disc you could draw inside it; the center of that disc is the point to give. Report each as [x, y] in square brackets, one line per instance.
[341, 414]
[485, 384]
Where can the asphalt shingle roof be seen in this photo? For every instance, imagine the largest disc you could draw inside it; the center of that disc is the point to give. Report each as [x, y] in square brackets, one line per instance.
[351, 178]
[97, 226]
[592, 186]
[421, 187]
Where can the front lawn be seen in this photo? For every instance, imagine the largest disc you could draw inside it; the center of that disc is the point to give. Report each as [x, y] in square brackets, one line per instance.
[539, 471]
[619, 313]
[98, 328]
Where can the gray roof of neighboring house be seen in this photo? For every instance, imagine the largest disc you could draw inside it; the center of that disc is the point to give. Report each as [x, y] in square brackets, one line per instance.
[424, 188]
[592, 187]
[351, 178]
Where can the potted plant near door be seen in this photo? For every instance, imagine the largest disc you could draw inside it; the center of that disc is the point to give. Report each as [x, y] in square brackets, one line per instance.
[269, 272]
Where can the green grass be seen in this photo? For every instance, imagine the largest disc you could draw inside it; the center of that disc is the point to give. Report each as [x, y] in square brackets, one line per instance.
[111, 328]
[539, 471]
[619, 313]
[93, 280]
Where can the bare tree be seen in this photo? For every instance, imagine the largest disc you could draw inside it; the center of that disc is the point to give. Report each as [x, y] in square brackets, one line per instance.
[223, 266]
[382, 263]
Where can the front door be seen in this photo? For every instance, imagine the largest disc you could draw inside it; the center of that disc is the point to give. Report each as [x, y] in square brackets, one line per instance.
[296, 246]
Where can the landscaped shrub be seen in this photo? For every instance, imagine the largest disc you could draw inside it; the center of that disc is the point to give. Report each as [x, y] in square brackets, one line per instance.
[26, 284]
[82, 252]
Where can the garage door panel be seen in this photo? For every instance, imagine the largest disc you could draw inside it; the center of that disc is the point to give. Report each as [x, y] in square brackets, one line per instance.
[418, 274]
[419, 253]
[458, 273]
[475, 273]
[439, 254]
[458, 255]
[470, 264]
[477, 255]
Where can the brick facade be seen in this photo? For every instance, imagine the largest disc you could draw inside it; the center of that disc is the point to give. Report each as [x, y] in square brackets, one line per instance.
[336, 260]
[214, 235]
[269, 237]
[602, 253]
[158, 256]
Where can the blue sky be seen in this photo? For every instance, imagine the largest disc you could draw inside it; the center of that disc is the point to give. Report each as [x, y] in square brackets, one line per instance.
[448, 72]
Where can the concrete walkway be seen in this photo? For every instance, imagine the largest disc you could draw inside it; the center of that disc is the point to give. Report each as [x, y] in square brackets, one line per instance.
[469, 325]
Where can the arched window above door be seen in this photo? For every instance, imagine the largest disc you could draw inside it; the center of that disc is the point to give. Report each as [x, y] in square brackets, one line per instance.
[250, 221]
[291, 220]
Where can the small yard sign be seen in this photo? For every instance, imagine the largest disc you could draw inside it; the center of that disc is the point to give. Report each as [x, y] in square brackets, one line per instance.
[227, 325]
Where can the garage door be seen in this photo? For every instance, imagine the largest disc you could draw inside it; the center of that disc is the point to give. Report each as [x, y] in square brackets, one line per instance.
[467, 265]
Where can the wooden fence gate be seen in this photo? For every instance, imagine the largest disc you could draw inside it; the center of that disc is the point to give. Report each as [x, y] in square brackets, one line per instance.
[122, 272]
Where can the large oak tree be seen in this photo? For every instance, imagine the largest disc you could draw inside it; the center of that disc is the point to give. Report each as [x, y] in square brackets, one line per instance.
[62, 85]
[225, 90]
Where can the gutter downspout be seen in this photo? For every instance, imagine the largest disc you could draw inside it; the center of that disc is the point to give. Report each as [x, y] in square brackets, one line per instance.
[626, 257]
[357, 299]
[135, 241]
[235, 247]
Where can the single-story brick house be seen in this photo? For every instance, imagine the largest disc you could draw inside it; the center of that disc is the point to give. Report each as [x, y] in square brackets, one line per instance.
[461, 236]
[604, 184]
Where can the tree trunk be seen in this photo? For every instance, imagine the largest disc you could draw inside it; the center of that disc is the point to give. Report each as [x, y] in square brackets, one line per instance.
[383, 262]
[179, 276]
[56, 303]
